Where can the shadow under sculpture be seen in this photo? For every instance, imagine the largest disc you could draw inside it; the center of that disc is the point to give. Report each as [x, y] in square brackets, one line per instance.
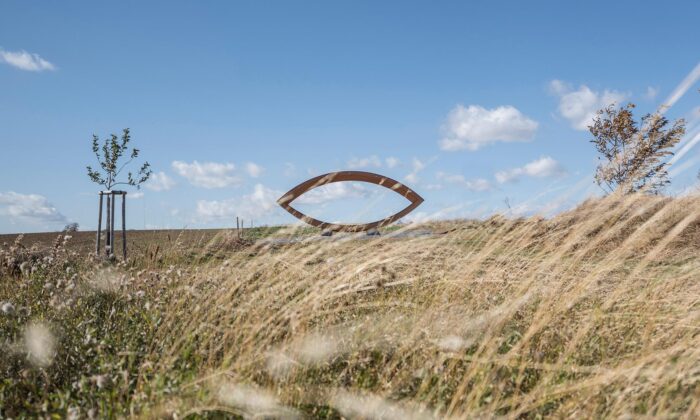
[369, 177]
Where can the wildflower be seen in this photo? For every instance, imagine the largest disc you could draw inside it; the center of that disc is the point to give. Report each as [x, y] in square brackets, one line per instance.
[7, 308]
[24, 267]
[73, 413]
[100, 381]
[374, 407]
[453, 343]
[40, 344]
[316, 349]
[254, 400]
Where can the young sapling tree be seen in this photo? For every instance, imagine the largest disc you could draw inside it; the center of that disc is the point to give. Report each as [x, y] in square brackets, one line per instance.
[109, 157]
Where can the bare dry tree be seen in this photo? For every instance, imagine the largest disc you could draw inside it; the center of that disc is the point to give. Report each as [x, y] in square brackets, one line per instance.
[633, 156]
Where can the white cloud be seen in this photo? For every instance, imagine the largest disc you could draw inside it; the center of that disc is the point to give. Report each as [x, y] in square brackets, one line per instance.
[160, 181]
[331, 192]
[579, 107]
[478, 184]
[208, 174]
[136, 195]
[392, 162]
[541, 168]
[416, 166]
[25, 61]
[262, 201]
[30, 207]
[411, 177]
[473, 127]
[253, 169]
[366, 162]
[373, 161]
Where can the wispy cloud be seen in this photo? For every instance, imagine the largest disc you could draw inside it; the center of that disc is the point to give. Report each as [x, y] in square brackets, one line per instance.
[365, 162]
[254, 170]
[24, 60]
[417, 166]
[33, 208]
[651, 93]
[159, 181]
[473, 127]
[332, 192]
[373, 161]
[208, 174]
[261, 202]
[579, 106]
[392, 162]
[541, 168]
[290, 169]
[476, 185]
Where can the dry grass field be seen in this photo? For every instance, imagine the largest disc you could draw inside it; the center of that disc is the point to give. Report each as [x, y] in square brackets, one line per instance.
[593, 313]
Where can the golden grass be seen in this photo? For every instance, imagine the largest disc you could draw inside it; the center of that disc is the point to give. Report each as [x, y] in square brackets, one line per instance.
[595, 312]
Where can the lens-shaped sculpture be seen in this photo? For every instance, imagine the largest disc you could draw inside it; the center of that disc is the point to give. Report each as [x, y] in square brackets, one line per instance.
[369, 177]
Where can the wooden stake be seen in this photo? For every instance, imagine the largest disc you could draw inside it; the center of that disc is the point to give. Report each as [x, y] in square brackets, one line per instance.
[99, 228]
[111, 248]
[124, 224]
[107, 225]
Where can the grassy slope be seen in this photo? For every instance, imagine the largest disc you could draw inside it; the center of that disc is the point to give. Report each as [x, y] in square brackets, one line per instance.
[595, 311]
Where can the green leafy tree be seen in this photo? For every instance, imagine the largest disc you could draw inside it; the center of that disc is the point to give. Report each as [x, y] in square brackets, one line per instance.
[109, 156]
[633, 155]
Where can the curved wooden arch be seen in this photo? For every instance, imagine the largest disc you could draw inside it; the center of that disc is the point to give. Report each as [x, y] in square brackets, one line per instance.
[369, 177]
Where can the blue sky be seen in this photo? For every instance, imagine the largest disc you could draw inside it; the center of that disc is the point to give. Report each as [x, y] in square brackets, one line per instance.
[234, 103]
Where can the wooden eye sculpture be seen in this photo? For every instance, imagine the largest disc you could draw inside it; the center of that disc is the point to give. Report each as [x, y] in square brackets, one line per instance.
[369, 177]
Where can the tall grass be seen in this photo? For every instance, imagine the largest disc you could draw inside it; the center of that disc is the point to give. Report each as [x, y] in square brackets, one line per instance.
[594, 312]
